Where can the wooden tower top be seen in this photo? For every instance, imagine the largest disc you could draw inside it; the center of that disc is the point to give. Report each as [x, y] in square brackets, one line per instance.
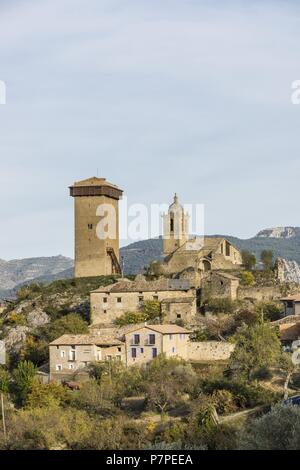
[95, 187]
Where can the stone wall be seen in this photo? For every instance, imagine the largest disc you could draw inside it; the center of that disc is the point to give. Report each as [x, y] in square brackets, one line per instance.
[260, 293]
[209, 351]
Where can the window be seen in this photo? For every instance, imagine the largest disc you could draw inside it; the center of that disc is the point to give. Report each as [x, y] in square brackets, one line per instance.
[290, 304]
[72, 355]
[141, 298]
[151, 339]
[90, 226]
[62, 353]
[170, 337]
[119, 300]
[105, 300]
[172, 225]
[227, 248]
[178, 315]
[118, 357]
[133, 353]
[154, 353]
[104, 311]
[142, 350]
[119, 349]
[136, 339]
[109, 357]
[155, 297]
[98, 355]
[58, 367]
[173, 350]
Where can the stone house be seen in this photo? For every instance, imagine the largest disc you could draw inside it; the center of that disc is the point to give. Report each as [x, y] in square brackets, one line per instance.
[222, 285]
[71, 354]
[146, 342]
[291, 305]
[108, 303]
[289, 328]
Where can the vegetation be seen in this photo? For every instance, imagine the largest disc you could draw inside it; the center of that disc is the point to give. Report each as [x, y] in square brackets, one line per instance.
[248, 260]
[257, 347]
[150, 311]
[247, 278]
[266, 258]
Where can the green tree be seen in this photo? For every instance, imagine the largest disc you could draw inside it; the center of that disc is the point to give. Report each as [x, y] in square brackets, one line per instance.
[45, 395]
[247, 278]
[266, 258]
[165, 380]
[257, 347]
[152, 309]
[277, 430]
[248, 260]
[24, 377]
[69, 324]
[4, 380]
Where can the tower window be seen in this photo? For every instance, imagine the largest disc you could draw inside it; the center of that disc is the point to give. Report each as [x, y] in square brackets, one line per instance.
[172, 225]
[90, 226]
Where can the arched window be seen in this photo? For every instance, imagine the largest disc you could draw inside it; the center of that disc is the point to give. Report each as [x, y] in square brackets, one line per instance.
[171, 224]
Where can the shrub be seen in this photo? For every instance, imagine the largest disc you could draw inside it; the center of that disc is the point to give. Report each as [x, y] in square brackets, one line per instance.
[271, 311]
[221, 305]
[131, 318]
[277, 430]
[247, 278]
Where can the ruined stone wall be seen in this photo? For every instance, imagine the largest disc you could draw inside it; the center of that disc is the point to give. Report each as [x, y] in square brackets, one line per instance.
[260, 293]
[209, 351]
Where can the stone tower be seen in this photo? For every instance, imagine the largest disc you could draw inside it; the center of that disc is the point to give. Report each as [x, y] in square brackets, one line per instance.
[96, 204]
[176, 227]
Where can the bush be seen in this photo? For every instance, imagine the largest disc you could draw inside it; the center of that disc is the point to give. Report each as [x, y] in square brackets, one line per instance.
[247, 278]
[131, 318]
[277, 430]
[271, 311]
[221, 305]
[224, 401]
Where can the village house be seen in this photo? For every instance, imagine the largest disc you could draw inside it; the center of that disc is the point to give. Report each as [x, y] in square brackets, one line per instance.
[291, 305]
[177, 298]
[222, 285]
[146, 342]
[70, 354]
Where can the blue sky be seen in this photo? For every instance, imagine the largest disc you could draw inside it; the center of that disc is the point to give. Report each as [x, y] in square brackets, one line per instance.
[159, 96]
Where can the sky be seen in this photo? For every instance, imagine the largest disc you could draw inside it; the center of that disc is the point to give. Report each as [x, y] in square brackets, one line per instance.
[157, 96]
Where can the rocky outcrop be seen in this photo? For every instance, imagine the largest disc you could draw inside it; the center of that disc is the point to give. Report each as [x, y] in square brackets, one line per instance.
[16, 338]
[287, 271]
[279, 232]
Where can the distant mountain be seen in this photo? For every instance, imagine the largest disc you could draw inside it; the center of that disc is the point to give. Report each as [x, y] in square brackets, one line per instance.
[15, 273]
[279, 232]
[140, 254]
[284, 242]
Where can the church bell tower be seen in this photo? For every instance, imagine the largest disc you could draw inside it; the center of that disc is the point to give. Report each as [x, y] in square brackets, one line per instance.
[176, 227]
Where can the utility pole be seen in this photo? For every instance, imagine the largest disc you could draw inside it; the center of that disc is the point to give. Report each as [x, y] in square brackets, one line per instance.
[3, 416]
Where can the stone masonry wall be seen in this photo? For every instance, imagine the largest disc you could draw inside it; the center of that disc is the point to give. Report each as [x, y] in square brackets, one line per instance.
[209, 351]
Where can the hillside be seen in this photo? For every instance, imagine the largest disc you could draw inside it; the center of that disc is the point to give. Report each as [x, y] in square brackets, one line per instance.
[15, 273]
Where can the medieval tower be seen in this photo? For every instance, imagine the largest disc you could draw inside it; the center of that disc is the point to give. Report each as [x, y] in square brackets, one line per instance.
[96, 204]
[176, 227]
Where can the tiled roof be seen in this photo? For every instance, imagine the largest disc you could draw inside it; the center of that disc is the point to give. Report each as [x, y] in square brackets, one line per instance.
[163, 329]
[295, 298]
[98, 339]
[94, 181]
[142, 285]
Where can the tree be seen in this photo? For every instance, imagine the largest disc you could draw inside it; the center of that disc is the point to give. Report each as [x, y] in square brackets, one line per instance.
[247, 278]
[154, 270]
[24, 377]
[277, 430]
[165, 380]
[257, 347]
[69, 324]
[45, 395]
[248, 260]
[152, 309]
[266, 258]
